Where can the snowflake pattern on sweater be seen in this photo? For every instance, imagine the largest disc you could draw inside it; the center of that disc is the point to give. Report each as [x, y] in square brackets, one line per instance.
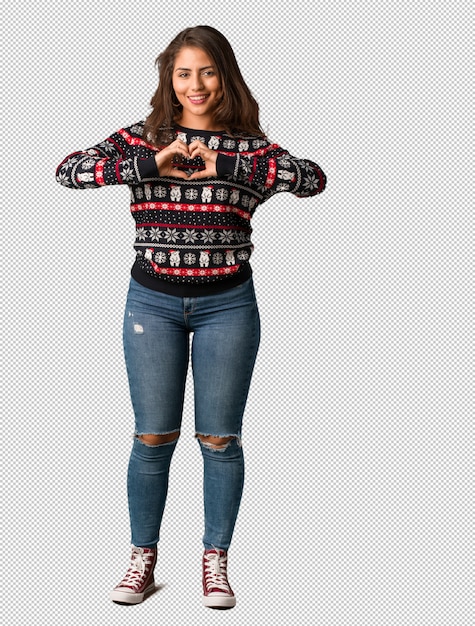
[192, 231]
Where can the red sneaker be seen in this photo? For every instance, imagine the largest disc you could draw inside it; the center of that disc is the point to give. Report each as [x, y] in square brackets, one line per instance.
[217, 593]
[139, 577]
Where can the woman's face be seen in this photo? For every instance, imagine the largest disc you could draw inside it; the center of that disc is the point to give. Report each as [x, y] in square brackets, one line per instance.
[197, 87]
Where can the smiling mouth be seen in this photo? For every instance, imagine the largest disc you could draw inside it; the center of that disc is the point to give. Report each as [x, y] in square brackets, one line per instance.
[198, 99]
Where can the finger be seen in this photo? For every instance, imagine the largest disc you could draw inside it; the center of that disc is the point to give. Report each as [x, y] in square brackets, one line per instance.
[196, 175]
[201, 174]
[172, 154]
[178, 174]
[181, 150]
[198, 148]
[197, 143]
[204, 153]
[195, 153]
[177, 146]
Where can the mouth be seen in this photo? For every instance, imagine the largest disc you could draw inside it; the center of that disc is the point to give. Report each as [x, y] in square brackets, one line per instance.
[198, 99]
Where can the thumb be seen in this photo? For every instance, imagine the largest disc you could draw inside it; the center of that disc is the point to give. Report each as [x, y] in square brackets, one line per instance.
[206, 173]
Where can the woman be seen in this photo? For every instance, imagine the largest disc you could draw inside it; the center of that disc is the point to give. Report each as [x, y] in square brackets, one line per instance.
[197, 168]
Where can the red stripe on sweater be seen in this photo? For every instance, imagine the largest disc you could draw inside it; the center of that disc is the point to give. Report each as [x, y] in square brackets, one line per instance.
[202, 271]
[117, 171]
[192, 208]
[135, 141]
[99, 172]
[271, 173]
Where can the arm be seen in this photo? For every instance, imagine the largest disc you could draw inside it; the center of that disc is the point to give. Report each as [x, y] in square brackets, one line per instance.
[119, 159]
[271, 170]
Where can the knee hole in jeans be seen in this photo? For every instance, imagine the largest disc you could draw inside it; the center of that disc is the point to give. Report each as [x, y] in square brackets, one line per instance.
[216, 443]
[158, 440]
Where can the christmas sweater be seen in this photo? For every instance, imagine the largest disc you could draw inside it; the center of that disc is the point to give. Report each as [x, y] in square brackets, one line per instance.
[192, 236]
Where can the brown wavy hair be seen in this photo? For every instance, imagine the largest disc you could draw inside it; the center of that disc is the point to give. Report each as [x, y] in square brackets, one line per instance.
[237, 112]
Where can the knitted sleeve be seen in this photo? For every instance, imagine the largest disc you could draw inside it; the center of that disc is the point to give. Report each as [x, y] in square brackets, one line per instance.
[120, 159]
[271, 170]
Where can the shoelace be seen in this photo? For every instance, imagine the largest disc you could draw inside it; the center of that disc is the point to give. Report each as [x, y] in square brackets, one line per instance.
[215, 571]
[139, 560]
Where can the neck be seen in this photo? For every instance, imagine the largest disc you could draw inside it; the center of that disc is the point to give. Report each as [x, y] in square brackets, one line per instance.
[197, 123]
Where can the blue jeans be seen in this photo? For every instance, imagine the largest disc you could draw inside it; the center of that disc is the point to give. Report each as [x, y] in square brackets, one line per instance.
[157, 329]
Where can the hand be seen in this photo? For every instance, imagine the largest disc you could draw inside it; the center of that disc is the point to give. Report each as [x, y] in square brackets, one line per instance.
[169, 158]
[199, 149]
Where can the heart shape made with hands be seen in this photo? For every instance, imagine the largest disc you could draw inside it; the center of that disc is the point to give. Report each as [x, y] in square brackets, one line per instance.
[170, 160]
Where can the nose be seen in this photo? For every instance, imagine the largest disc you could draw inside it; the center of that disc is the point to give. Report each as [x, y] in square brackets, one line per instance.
[197, 82]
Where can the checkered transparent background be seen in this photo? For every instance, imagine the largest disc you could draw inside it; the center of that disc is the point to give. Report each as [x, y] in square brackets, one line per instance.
[357, 435]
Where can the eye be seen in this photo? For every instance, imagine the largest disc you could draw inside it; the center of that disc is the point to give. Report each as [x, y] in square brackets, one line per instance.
[183, 75]
[209, 73]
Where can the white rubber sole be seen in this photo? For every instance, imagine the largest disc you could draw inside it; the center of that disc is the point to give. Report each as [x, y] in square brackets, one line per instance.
[218, 601]
[127, 597]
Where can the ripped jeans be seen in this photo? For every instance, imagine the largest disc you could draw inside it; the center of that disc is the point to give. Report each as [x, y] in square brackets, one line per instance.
[225, 334]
